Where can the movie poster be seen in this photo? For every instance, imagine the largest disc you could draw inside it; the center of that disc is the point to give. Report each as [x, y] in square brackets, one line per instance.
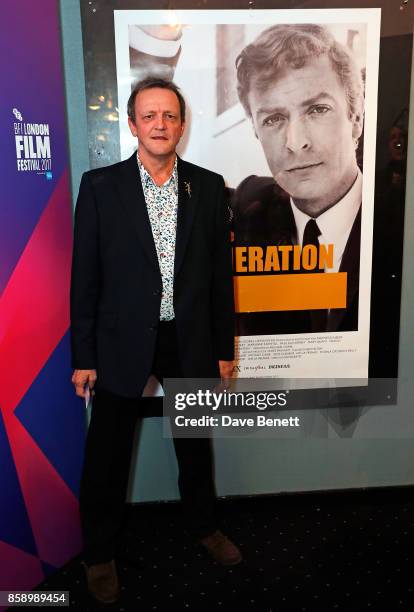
[283, 104]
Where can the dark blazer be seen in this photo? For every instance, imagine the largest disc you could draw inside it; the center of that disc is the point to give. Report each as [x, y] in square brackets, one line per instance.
[262, 215]
[116, 281]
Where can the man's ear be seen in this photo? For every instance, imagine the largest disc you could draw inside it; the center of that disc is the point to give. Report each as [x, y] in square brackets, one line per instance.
[357, 124]
[132, 127]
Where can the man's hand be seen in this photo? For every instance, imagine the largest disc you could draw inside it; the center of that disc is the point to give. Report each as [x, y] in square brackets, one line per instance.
[226, 370]
[82, 379]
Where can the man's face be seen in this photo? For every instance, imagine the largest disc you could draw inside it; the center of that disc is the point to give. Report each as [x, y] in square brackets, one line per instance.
[158, 124]
[302, 121]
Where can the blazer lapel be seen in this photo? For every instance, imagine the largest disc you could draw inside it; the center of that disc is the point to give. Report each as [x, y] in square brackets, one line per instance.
[188, 194]
[132, 198]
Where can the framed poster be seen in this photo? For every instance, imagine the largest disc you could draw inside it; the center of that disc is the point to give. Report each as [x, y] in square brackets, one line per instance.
[278, 294]
[305, 310]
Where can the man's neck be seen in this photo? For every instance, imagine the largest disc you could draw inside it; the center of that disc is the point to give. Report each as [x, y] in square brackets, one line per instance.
[160, 169]
[316, 207]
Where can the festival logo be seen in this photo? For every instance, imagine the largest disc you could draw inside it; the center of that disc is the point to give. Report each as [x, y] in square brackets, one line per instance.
[33, 152]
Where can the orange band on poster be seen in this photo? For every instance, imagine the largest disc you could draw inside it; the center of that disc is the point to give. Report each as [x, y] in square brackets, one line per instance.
[290, 292]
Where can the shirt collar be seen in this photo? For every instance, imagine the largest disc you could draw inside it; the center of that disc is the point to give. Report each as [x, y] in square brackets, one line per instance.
[147, 179]
[336, 222]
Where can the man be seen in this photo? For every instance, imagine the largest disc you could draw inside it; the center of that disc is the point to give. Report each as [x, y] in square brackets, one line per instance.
[304, 95]
[151, 294]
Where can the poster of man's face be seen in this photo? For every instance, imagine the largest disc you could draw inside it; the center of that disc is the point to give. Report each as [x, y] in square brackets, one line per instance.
[307, 116]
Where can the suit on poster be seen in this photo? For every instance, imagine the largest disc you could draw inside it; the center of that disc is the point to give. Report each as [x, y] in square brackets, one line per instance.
[263, 215]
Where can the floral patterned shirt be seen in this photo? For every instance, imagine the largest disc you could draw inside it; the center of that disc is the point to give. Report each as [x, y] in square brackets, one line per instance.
[162, 204]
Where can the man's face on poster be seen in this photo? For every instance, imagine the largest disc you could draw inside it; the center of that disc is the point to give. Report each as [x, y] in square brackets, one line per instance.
[303, 122]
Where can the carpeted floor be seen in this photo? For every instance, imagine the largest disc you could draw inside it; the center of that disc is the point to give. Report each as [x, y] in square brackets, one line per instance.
[340, 551]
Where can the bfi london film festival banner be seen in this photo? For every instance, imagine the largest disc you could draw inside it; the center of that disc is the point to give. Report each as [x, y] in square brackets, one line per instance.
[293, 131]
[42, 423]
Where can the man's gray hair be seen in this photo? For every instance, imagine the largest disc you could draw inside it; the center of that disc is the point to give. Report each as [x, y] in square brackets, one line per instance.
[292, 46]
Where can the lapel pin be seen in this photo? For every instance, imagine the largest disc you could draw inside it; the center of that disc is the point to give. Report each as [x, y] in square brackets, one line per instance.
[188, 188]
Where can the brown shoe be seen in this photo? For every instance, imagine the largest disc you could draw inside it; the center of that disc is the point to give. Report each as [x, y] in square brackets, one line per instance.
[221, 549]
[103, 583]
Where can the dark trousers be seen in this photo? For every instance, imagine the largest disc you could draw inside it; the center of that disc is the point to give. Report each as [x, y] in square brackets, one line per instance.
[108, 456]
